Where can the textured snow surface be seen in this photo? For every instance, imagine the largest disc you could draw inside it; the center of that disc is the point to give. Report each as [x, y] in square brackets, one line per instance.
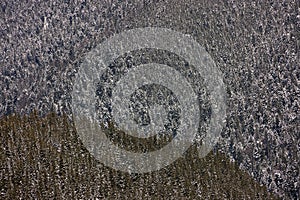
[255, 44]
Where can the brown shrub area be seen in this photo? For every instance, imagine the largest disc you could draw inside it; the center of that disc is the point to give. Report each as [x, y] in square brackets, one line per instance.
[42, 158]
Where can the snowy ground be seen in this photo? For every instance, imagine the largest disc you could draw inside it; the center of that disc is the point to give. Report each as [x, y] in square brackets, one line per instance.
[42, 44]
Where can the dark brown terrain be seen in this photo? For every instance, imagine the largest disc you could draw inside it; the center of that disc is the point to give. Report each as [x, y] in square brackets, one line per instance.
[42, 158]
